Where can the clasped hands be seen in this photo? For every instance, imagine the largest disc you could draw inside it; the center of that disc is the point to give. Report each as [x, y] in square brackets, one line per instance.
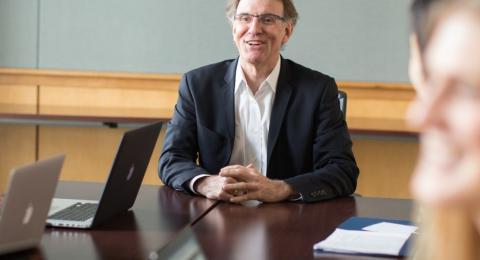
[238, 183]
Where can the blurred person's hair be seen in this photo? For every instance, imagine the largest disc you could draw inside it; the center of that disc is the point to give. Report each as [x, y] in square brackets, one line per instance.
[445, 235]
[419, 12]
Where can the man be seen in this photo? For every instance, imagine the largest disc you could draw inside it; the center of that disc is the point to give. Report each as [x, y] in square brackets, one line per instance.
[264, 128]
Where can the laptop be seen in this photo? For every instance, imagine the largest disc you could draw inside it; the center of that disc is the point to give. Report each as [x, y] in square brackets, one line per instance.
[26, 203]
[121, 189]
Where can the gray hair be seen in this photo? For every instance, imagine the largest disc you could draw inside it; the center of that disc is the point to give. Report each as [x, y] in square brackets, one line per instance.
[290, 12]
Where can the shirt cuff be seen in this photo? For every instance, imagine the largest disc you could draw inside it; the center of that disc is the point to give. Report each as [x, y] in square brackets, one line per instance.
[297, 197]
[195, 179]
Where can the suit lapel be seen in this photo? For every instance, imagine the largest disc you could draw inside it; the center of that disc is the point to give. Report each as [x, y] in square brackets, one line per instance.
[282, 96]
[229, 105]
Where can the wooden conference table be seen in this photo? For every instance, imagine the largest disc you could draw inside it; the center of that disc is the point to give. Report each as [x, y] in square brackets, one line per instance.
[285, 230]
[223, 231]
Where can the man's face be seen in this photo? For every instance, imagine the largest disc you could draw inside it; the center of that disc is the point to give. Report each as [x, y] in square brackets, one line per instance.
[258, 43]
[448, 172]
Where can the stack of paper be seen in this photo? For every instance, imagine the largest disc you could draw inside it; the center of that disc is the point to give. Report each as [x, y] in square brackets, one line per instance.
[382, 238]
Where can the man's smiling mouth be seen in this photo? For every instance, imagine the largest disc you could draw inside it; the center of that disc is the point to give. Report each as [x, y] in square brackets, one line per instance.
[254, 42]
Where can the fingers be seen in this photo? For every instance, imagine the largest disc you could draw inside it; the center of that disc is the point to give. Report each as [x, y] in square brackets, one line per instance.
[240, 186]
[239, 172]
[234, 188]
[218, 193]
[242, 191]
[225, 196]
[212, 187]
[244, 197]
[229, 180]
[234, 184]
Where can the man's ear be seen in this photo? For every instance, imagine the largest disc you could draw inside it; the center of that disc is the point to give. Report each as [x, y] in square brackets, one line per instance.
[288, 33]
[234, 28]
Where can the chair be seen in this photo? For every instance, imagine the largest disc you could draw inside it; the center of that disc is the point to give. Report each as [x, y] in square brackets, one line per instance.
[342, 98]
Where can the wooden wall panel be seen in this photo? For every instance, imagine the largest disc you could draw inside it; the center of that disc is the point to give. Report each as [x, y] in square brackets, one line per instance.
[87, 79]
[386, 166]
[374, 100]
[115, 102]
[77, 93]
[372, 109]
[89, 151]
[21, 99]
[18, 147]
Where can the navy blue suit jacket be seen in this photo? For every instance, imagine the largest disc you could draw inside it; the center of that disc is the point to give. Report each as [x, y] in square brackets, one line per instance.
[308, 141]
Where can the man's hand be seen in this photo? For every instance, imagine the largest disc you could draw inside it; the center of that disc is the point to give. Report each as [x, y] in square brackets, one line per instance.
[252, 185]
[212, 187]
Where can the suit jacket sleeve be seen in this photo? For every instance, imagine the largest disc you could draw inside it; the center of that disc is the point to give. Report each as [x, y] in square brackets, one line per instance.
[334, 168]
[177, 163]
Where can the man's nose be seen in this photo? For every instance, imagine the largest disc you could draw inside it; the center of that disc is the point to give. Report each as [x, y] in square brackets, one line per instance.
[255, 26]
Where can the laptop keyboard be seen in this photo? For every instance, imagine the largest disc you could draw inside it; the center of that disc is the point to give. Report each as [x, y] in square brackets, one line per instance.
[77, 212]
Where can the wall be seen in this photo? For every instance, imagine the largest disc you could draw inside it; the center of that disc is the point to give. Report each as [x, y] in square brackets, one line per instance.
[353, 40]
[18, 33]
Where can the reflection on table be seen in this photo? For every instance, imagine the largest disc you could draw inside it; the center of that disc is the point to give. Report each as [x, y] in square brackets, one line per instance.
[284, 230]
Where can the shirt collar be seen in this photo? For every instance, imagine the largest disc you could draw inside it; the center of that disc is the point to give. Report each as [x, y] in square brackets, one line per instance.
[272, 79]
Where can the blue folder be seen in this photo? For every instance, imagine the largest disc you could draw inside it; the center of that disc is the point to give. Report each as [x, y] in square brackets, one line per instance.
[357, 223]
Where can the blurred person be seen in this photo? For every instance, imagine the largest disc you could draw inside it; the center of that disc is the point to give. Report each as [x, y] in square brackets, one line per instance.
[446, 181]
[419, 12]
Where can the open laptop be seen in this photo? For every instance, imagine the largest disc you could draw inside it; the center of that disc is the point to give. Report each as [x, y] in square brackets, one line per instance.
[26, 203]
[121, 189]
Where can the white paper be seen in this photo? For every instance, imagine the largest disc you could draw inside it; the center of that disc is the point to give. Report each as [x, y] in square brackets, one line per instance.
[353, 241]
[392, 228]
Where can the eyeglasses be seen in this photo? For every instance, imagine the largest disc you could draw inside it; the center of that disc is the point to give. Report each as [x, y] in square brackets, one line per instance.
[264, 19]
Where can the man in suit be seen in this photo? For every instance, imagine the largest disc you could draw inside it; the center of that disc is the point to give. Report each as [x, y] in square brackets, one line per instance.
[262, 127]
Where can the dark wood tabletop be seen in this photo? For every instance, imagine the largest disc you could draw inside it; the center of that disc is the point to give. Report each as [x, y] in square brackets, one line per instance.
[158, 214]
[285, 230]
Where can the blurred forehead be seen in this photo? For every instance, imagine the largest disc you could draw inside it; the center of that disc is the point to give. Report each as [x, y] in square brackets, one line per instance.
[260, 7]
[454, 49]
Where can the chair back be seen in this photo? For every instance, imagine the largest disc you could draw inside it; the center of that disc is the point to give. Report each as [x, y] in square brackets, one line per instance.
[342, 98]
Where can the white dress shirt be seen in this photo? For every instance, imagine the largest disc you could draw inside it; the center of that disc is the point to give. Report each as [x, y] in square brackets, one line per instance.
[252, 121]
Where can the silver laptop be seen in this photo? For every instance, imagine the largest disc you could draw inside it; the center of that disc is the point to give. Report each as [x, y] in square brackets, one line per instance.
[121, 189]
[26, 203]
